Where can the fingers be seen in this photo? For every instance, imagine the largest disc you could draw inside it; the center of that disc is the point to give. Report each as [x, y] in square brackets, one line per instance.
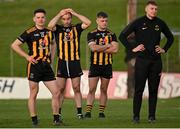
[32, 60]
[139, 48]
[159, 50]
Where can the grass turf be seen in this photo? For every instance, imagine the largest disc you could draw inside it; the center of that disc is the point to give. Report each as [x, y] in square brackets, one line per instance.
[14, 113]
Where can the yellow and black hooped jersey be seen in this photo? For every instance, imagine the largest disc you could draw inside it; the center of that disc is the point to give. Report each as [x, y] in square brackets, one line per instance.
[68, 42]
[101, 38]
[38, 42]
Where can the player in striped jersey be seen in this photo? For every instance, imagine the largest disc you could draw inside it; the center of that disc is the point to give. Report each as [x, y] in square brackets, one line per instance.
[39, 40]
[68, 50]
[103, 44]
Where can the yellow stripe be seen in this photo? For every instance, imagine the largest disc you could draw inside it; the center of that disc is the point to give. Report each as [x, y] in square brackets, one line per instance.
[50, 36]
[60, 46]
[40, 51]
[66, 49]
[46, 44]
[106, 58]
[72, 46]
[28, 69]
[100, 58]
[57, 66]
[106, 54]
[34, 49]
[95, 58]
[76, 41]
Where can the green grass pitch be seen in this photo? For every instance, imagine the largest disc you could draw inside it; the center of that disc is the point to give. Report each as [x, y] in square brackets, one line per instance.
[14, 113]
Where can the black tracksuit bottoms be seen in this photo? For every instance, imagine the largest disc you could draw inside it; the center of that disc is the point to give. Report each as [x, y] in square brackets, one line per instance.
[146, 69]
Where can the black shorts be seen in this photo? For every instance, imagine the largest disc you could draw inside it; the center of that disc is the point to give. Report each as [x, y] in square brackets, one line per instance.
[104, 71]
[69, 69]
[41, 71]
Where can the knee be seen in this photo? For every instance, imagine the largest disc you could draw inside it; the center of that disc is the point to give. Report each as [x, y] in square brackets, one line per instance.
[92, 90]
[62, 90]
[103, 90]
[56, 94]
[33, 95]
[76, 89]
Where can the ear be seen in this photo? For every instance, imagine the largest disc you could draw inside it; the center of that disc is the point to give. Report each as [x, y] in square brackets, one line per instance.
[146, 8]
[97, 20]
[34, 19]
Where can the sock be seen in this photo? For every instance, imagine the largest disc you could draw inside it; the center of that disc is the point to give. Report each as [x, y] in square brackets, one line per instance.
[56, 117]
[101, 108]
[88, 108]
[79, 110]
[59, 110]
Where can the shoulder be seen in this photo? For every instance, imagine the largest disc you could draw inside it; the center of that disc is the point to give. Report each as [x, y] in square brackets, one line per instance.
[110, 32]
[93, 31]
[160, 20]
[30, 30]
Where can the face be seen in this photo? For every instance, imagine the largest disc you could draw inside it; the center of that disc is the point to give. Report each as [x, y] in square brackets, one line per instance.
[66, 20]
[39, 19]
[151, 10]
[102, 22]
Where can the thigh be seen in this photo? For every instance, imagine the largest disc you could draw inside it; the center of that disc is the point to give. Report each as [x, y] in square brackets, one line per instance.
[34, 87]
[93, 81]
[104, 83]
[155, 75]
[61, 82]
[75, 82]
[52, 86]
[141, 73]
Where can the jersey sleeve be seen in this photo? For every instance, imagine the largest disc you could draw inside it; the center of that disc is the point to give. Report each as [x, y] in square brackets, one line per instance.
[79, 28]
[90, 37]
[114, 38]
[23, 37]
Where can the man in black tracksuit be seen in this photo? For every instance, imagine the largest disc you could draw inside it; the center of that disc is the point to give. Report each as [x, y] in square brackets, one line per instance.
[148, 63]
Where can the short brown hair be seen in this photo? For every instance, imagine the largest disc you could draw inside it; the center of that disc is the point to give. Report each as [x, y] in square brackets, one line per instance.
[152, 2]
[40, 10]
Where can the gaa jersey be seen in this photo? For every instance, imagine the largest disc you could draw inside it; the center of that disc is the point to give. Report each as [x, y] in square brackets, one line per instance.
[68, 42]
[38, 42]
[101, 38]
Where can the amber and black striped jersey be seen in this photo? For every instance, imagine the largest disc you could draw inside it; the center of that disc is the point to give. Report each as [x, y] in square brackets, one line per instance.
[101, 38]
[38, 42]
[68, 42]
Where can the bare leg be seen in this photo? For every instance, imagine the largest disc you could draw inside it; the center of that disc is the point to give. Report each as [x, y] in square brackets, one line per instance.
[53, 88]
[34, 88]
[61, 82]
[77, 92]
[92, 89]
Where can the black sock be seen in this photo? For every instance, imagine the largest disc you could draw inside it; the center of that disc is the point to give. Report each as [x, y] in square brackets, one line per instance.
[34, 119]
[59, 110]
[79, 110]
[56, 117]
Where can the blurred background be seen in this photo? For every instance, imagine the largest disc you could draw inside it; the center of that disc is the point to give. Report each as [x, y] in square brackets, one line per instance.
[16, 16]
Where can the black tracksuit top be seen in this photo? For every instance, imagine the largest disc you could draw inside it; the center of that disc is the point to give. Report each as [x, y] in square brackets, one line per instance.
[148, 33]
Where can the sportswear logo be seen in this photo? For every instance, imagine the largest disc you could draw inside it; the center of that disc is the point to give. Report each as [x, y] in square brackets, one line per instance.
[36, 35]
[31, 75]
[144, 28]
[156, 27]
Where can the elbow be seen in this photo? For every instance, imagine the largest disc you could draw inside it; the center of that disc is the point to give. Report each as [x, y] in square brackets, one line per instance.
[88, 23]
[12, 46]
